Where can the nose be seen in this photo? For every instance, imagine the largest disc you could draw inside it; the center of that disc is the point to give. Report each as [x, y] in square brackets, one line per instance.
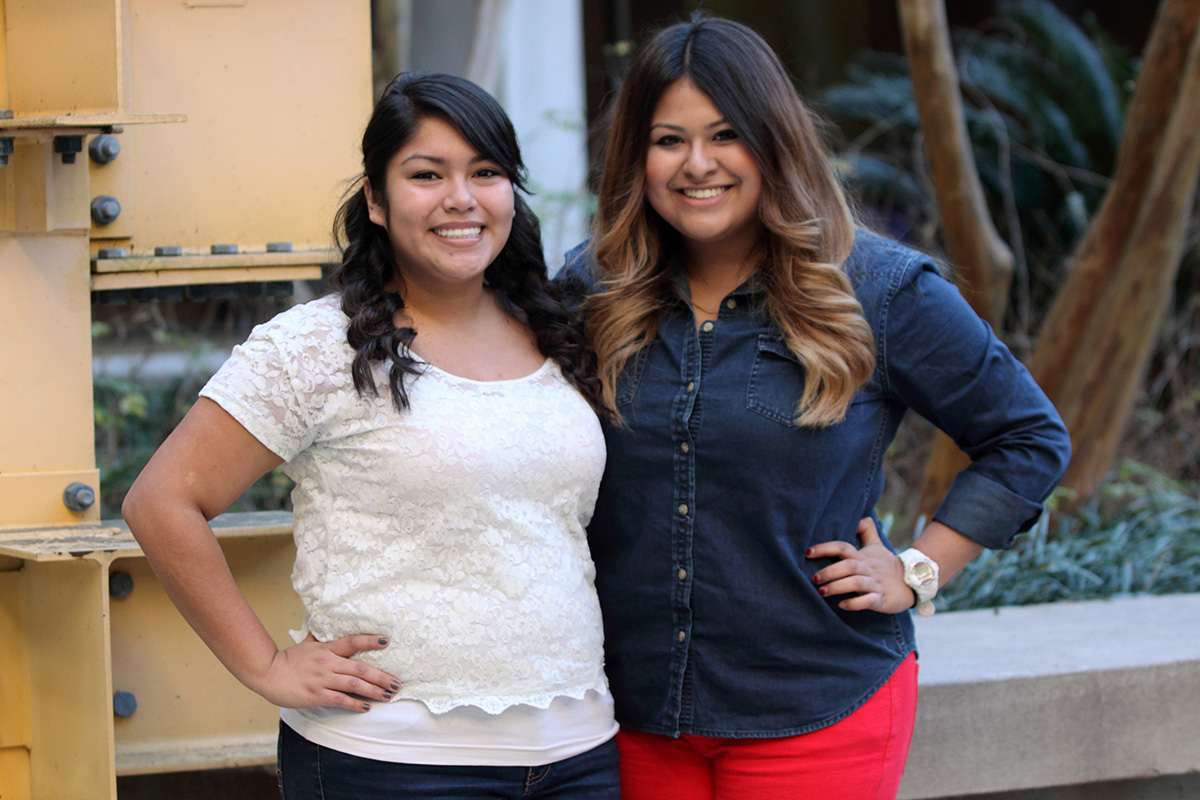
[700, 162]
[459, 196]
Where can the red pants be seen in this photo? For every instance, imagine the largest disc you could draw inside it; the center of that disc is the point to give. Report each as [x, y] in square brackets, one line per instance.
[860, 758]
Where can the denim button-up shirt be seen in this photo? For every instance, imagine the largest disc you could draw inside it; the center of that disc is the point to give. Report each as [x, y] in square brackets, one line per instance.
[712, 495]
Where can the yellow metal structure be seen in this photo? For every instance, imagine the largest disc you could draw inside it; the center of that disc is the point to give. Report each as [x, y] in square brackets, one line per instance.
[226, 123]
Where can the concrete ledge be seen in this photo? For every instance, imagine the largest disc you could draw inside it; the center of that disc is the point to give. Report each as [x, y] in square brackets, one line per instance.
[1055, 695]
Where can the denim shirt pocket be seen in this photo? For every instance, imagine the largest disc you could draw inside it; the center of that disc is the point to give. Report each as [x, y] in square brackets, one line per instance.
[777, 382]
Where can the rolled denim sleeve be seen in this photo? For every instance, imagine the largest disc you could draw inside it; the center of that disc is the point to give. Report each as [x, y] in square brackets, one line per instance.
[940, 359]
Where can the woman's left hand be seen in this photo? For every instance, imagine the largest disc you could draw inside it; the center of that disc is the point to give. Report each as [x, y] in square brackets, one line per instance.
[872, 573]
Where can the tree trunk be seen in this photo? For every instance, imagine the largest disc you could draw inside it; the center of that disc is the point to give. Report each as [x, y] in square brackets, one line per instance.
[982, 261]
[1098, 338]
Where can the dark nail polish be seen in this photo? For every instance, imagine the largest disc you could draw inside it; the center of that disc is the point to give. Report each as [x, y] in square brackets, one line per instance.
[822, 591]
[387, 695]
[383, 640]
[395, 686]
[366, 707]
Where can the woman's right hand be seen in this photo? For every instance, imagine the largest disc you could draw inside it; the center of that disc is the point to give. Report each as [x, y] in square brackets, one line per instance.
[314, 673]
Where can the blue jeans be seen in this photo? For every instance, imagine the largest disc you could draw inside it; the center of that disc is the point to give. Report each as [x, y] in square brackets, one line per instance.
[309, 771]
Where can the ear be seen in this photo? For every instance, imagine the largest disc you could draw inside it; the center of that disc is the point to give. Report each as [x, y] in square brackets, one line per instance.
[375, 210]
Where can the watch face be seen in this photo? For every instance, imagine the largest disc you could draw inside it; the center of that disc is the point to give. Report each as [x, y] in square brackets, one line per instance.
[922, 573]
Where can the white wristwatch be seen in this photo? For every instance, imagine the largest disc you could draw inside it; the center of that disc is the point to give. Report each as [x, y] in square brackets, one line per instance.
[921, 575]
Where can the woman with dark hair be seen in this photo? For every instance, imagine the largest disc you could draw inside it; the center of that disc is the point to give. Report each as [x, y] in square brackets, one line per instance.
[439, 523]
[757, 352]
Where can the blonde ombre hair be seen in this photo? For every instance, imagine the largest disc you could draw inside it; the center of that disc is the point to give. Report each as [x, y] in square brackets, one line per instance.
[808, 228]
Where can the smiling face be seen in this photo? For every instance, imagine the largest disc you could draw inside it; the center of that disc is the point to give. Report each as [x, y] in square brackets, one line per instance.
[700, 177]
[447, 209]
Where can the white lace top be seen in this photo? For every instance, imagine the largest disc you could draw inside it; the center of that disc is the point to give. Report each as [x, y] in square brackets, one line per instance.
[455, 527]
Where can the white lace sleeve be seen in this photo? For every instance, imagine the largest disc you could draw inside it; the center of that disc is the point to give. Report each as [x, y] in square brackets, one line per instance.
[273, 385]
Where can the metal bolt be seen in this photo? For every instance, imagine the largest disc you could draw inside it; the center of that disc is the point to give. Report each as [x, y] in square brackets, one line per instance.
[6, 149]
[124, 704]
[105, 209]
[168, 250]
[79, 496]
[223, 249]
[68, 147]
[120, 585]
[104, 148]
[279, 247]
[110, 252]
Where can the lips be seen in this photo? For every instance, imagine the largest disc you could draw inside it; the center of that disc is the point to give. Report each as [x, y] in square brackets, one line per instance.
[459, 232]
[704, 194]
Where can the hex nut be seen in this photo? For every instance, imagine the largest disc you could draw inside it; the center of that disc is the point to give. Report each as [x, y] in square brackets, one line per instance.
[223, 249]
[68, 147]
[104, 148]
[105, 209]
[79, 496]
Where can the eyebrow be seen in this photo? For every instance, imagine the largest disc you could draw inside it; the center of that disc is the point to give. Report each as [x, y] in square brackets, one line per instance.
[441, 161]
[669, 126]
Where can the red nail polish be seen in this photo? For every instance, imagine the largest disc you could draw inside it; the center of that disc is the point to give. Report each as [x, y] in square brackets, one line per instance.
[822, 590]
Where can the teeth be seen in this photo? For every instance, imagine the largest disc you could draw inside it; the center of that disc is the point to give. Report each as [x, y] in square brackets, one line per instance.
[459, 233]
[702, 194]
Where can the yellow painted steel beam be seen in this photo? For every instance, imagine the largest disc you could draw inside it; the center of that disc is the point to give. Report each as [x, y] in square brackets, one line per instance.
[14, 772]
[64, 623]
[46, 403]
[191, 712]
[15, 731]
[65, 58]
[81, 124]
[276, 94]
[137, 280]
[39, 496]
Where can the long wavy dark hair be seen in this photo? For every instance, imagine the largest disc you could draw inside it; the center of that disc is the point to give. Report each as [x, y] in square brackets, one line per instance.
[517, 276]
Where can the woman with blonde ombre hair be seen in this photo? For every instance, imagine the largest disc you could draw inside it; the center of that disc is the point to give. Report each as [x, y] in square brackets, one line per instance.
[756, 353]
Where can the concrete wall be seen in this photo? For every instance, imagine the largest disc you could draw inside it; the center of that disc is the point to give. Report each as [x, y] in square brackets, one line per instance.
[1066, 694]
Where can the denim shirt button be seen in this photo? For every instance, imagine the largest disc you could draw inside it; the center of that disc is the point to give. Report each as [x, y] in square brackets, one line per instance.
[682, 574]
[707, 327]
[731, 303]
[683, 509]
[683, 447]
[691, 387]
[683, 636]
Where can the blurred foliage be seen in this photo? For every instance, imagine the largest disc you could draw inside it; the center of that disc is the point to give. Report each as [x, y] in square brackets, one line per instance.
[1140, 534]
[133, 416]
[1044, 102]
